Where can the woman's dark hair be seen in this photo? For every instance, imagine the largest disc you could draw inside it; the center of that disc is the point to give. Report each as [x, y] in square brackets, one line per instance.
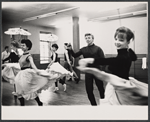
[6, 47]
[27, 42]
[15, 44]
[89, 34]
[55, 45]
[67, 44]
[124, 32]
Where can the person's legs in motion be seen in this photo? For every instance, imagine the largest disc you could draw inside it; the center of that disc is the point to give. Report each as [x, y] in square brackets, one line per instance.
[38, 101]
[75, 76]
[56, 86]
[67, 67]
[62, 81]
[22, 102]
[89, 88]
[100, 87]
[15, 95]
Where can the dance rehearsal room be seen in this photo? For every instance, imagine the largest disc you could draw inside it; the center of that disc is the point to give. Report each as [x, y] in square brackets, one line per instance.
[74, 54]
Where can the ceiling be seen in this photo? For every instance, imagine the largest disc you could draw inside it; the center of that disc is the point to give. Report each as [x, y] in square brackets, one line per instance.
[19, 11]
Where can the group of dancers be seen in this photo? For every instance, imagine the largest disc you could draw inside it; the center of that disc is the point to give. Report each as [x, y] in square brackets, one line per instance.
[120, 88]
[68, 64]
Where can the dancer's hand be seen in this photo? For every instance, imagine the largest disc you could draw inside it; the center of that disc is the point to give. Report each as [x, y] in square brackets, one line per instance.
[84, 62]
[86, 69]
[49, 65]
[70, 47]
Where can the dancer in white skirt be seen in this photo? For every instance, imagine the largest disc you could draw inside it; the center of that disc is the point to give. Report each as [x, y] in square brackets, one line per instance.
[69, 62]
[30, 80]
[27, 78]
[9, 72]
[27, 81]
[119, 91]
[54, 59]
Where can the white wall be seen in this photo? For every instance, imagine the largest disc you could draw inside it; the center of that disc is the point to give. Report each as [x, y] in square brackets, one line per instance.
[104, 33]
[140, 28]
[65, 35]
[34, 37]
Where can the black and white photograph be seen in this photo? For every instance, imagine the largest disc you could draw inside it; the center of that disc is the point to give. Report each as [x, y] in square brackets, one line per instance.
[74, 60]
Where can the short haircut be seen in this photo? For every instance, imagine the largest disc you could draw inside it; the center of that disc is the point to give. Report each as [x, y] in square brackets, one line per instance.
[27, 42]
[6, 47]
[67, 44]
[55, 45]
[89, 34]
[15, 44]
[124, 32]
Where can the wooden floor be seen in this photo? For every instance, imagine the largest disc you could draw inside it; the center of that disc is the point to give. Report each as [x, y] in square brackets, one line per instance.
[74, 95]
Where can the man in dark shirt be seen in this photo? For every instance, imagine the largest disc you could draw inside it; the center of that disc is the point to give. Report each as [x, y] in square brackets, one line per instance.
[13, 57]
[91, 51]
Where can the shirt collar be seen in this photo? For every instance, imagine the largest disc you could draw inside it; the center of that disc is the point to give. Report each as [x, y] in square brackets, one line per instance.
[122, 51]
[27, 52]
[91, 45]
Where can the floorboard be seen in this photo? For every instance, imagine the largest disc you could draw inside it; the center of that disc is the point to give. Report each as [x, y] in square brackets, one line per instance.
[74, 95]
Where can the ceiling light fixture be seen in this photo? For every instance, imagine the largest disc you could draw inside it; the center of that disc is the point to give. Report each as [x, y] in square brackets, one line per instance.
[119, 16]
[48, 14]
[38, 17]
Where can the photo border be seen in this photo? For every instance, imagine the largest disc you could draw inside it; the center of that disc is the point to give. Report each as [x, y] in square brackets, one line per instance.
[70, 111]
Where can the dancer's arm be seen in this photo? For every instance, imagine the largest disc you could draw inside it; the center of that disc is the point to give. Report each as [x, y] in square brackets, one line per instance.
[75, 55]
[112, 79]
[32, 64]
[8, 58]
[67, 57]
[103, 61]
[2, 57]
[53, 60]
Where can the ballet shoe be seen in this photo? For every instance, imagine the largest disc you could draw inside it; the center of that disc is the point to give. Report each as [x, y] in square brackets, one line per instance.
[64, 87]
[14, 93]
[40, 104]
[56, 89]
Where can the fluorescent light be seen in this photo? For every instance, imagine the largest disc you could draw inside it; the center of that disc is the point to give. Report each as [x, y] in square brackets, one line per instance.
[38, 17]
[68, 9]
[48, 14]
[119, 16]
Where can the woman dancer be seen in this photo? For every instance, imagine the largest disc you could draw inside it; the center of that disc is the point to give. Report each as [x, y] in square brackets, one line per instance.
[23, 82]
[120, 91]
[119, 65]
[69, 61]
[54, 59]
[30, 80]
[12, 58]
[54, 55]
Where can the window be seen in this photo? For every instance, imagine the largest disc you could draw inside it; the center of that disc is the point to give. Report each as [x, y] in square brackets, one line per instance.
[44, 48]
[46, 40]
